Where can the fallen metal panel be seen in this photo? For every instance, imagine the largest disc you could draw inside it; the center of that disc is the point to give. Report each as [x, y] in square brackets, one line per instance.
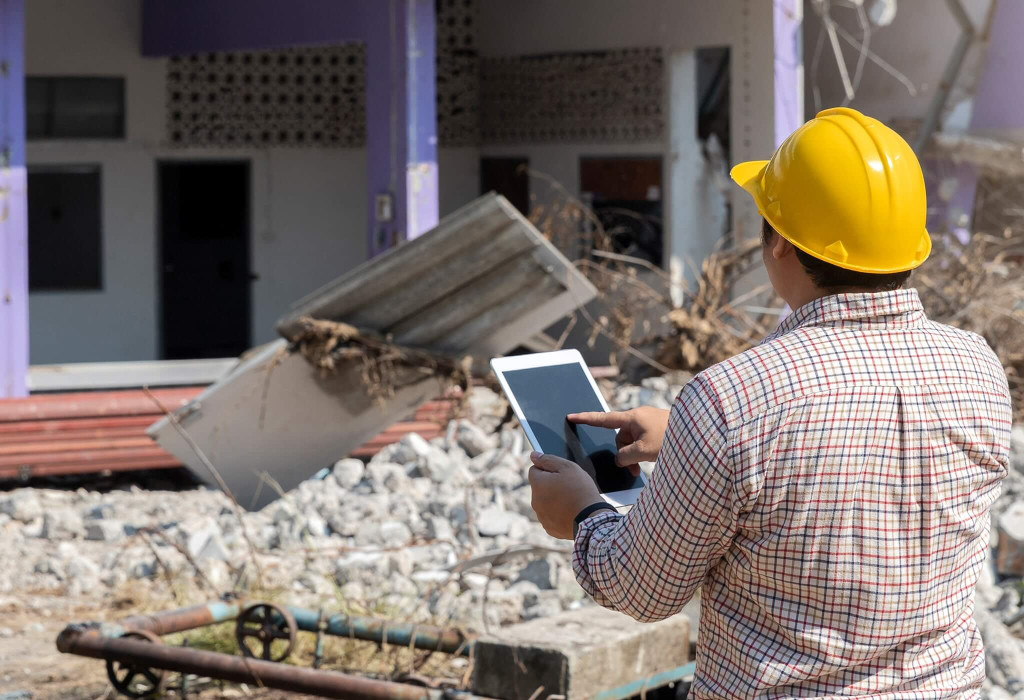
[486, 245]
[275, 421]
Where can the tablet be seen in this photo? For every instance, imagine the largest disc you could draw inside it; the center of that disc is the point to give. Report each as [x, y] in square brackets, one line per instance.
[545, 387]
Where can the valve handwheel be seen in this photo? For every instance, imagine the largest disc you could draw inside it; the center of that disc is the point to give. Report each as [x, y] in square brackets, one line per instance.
[272, 627]
[133, 680]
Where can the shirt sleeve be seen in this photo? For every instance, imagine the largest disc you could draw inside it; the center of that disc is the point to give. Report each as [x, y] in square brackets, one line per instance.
[649, 563]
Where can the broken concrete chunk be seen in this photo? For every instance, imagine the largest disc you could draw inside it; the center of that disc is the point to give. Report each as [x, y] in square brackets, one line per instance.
[491, 522]
[504, 477]
[439, 528]
[317, 526]
[391, 533]
[474, 439]
[361, 567]
[544, 607]
[206, 544]
[577, 654]
[431, 577]
[62, 524]
[23, 507]
[105, 531]
[348, 472]
[386, 477]
[1017, 448]
[540, 572]
[1010, 550]
[103, 510]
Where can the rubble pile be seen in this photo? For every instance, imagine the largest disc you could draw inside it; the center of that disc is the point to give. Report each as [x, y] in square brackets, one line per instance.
[439, 531]
[406, 535]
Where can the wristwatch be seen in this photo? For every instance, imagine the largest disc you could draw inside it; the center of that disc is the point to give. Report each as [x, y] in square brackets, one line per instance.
[587, 512]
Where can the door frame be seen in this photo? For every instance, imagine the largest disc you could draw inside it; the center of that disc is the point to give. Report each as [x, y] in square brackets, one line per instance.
[159, 257]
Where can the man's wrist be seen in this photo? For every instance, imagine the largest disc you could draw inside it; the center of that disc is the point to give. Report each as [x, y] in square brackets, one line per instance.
[587, 512]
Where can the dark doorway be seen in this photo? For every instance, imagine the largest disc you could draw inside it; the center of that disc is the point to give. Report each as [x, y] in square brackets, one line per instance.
[204, 258]
[625, 194]
[508, 177]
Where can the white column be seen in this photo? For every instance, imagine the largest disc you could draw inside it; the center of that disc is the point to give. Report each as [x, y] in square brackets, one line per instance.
[694, 206]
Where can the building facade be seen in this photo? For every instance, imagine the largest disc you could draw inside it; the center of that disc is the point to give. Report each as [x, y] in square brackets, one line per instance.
[220, 164]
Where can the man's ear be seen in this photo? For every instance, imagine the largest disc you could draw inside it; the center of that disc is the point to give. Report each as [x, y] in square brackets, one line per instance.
[782, 248]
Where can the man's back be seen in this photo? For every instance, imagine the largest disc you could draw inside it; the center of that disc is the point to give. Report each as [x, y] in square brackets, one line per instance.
[866, 445]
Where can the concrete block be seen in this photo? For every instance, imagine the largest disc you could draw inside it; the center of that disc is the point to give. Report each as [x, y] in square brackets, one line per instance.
[577, 654]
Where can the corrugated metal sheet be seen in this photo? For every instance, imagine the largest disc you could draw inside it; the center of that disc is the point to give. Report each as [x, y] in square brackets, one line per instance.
[61, 434]
[482, 282]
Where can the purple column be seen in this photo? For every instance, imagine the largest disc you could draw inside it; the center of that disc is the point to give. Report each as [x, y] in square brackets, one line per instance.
[421, 118]
[401, 122]
[787, 16]
[13, 206]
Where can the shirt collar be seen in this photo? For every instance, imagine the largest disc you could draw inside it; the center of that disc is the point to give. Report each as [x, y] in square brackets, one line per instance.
[897, 309]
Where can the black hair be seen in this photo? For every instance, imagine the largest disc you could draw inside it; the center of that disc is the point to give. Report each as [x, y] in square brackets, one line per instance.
[836, 279]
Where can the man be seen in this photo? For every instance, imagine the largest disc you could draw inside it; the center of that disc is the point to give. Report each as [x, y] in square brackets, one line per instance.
[829, 489]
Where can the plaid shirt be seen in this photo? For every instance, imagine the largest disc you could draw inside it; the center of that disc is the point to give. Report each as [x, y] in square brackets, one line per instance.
[829, 491]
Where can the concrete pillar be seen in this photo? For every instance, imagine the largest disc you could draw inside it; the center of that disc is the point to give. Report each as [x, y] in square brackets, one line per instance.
[686, 227]
[401, 123]
[13, 205]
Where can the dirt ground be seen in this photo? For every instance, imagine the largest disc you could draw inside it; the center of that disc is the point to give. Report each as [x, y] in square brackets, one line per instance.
[29, 660]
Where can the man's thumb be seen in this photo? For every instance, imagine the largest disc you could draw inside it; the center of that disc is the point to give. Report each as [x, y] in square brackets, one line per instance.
[630, 454]
[548, 463]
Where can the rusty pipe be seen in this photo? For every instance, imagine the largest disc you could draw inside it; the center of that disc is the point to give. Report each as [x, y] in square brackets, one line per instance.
[85, 640]
[170, 621]
[428, 637]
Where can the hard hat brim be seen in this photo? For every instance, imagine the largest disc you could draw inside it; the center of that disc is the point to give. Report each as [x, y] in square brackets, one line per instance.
[748, 176]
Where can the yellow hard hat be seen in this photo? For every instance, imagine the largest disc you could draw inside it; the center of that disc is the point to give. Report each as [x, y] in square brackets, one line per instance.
[846, 189]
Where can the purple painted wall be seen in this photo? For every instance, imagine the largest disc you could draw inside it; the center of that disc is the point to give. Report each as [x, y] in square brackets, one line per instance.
[787, 16]
[190, 26]
[401, 119]
[13, 206]
[999, 97]
[998, 105]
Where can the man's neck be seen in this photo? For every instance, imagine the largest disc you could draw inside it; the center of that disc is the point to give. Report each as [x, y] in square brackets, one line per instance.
[815, 293]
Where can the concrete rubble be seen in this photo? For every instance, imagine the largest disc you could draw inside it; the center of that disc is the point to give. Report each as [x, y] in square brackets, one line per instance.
[393, 536]
[384, 535]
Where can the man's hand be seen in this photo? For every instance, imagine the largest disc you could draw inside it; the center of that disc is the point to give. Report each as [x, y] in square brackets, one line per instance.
[561, 489]
[641, 431]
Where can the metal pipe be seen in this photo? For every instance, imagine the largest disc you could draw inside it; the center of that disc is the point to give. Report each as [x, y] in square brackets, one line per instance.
[170, 621]
[88, 641]
[680, 673]
[426, 637]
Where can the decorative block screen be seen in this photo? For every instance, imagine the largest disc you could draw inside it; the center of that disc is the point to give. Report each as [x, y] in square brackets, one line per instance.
[313, 96]
[598, 96]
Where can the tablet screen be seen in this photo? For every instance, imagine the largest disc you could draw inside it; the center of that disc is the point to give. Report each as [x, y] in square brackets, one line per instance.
[545, 396]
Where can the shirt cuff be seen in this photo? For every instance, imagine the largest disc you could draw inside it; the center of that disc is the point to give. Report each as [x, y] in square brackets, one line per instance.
[596, 525]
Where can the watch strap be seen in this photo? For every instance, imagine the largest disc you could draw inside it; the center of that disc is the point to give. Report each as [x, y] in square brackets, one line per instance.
[587, 512]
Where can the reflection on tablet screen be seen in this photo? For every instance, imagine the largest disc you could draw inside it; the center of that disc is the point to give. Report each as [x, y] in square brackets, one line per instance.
[545, 396]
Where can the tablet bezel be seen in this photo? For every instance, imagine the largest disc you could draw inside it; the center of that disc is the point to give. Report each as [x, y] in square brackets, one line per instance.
[500, 365]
